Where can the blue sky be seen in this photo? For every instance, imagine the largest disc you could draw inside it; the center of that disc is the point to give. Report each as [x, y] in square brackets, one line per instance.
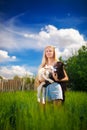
[27, 26]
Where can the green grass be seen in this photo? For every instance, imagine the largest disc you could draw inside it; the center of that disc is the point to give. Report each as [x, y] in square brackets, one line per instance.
[20, 111]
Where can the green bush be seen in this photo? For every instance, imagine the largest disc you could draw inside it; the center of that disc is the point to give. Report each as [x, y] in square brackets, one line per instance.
[76, 67]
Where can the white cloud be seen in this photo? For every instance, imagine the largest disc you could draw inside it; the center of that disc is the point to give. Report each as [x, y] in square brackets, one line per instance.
[5, 57]
[67, 40]
[10, 71]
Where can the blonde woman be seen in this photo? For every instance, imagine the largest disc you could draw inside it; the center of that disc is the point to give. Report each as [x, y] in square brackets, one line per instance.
[54, 90]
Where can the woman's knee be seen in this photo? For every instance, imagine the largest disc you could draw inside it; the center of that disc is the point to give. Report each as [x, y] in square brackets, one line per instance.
[57, 102]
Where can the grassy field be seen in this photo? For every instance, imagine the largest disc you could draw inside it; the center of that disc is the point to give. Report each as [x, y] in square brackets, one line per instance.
[20, 111]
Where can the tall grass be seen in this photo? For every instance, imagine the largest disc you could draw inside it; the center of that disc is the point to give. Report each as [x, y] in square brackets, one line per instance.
[20, 111]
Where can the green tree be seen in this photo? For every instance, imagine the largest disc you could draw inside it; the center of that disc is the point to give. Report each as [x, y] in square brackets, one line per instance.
[16, 77]
[77, 70]
[1, 77]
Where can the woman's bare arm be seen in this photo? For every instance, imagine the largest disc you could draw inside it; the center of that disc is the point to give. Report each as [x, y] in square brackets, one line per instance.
[63, 79]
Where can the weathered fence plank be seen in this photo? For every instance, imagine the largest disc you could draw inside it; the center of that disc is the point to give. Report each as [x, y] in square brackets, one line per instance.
[10, 85]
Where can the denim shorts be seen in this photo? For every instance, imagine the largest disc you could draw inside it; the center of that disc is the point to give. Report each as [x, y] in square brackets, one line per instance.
[54, 91]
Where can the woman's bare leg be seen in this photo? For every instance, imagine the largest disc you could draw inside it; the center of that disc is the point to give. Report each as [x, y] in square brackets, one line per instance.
[57, 102]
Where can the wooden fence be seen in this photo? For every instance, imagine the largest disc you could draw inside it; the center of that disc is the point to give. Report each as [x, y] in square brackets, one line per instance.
[10, 85]
[15, 85]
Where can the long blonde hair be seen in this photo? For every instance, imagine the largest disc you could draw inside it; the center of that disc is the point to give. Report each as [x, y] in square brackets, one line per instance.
[45, 60]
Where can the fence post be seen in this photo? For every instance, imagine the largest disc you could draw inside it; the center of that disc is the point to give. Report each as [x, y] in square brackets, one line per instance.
[23, 82]
[2, 85]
